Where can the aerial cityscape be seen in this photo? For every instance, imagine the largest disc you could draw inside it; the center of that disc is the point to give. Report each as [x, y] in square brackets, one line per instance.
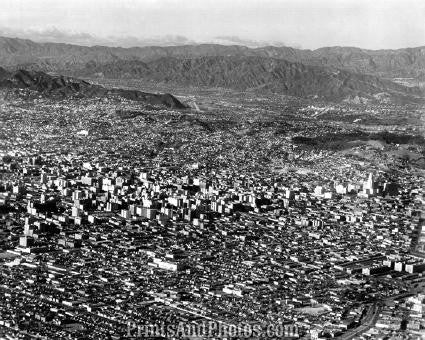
[225, 188]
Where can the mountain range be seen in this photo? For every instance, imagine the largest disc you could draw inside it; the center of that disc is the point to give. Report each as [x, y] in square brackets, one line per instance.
[253, 74]
[331, 73]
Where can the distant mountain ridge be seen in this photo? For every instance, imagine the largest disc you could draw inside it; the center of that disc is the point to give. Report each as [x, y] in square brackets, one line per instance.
[406, 62]
[63, 86]
[254, 74]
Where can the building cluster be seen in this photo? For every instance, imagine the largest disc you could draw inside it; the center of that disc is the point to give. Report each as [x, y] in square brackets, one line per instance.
[209, 221]
[107, 243]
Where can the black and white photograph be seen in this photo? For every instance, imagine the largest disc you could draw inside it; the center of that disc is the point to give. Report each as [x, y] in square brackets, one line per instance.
[212, 169]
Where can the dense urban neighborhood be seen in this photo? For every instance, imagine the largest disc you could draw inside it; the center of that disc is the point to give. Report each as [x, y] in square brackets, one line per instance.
[266, 213]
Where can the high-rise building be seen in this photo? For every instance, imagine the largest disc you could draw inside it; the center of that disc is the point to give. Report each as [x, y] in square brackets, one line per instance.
[369, 183]
[43, 178]
[26, 241]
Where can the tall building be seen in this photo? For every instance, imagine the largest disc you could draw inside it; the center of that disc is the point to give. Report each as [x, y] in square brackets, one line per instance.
[371, 187]
[369, 183]
[43, 178]
[26, 241]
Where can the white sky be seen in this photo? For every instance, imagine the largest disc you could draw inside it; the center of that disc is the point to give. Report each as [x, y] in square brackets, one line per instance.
[371, 24]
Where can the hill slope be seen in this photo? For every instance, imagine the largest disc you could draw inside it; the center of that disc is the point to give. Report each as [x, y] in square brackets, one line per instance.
[61, 86]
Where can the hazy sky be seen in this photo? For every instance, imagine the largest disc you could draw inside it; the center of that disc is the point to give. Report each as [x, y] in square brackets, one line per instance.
[371, 24]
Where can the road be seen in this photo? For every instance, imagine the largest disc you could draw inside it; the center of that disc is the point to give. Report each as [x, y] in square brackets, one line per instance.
[368, 321]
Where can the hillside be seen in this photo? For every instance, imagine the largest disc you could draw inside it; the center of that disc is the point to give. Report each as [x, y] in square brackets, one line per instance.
[62, 86]
[253, 73]
[407, 62]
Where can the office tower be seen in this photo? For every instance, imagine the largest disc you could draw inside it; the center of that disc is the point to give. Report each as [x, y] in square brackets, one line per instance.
[26, 241]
